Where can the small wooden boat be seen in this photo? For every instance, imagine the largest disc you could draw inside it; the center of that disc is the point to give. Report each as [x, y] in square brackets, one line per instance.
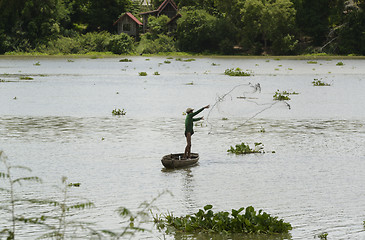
[177, 160]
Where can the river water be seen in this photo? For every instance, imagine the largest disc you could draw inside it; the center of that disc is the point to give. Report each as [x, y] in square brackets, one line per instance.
[59, 123]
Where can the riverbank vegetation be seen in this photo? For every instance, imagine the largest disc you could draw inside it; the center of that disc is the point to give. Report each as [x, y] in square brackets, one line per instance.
[239, 27]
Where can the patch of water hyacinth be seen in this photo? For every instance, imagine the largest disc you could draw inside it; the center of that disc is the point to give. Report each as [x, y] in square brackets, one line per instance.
[243, 220]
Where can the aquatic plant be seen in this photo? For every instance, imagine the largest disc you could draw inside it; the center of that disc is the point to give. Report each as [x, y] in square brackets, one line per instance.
[339, 64]
[25, 78]
[312, 62]
[156, 73]
[245, 149]
[142, 74]
[323, 236]
[190, 83]
[317, 82]
[125, 60]
[281, 96]
[236, 72]
[215, 64]
[118, 112]
[236, 221]
[37, 64]
[185, 60]
[262, 130]
[167, 62]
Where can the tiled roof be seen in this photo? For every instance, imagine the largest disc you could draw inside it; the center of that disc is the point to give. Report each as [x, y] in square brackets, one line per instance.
[129, 15]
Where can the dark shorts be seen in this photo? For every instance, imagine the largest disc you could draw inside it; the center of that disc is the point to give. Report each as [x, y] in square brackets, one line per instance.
[191, 133]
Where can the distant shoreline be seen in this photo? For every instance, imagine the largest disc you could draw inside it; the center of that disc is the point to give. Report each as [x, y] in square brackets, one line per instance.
[97, 55]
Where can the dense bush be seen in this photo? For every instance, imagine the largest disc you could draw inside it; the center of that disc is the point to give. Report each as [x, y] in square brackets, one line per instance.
[152, 45]
[89, 42]
[121, 43]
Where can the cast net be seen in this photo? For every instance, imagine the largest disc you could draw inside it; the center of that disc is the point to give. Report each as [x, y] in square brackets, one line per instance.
[241, 104]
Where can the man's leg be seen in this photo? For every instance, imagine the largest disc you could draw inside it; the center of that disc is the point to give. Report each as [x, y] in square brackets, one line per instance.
[188, 145]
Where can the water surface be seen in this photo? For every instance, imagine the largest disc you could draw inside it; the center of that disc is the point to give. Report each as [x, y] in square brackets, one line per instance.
[60, 124]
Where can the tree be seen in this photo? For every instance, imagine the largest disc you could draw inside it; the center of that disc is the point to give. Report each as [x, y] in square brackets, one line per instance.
[198, 31]
[312, 19]
[351, 33]
[158, 25]
[269, 25]
[102, 14]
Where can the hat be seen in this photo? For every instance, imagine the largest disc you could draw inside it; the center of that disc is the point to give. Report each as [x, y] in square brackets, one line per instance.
[189, 110]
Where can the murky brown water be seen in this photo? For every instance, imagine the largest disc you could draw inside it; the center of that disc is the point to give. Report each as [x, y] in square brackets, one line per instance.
[60, 124]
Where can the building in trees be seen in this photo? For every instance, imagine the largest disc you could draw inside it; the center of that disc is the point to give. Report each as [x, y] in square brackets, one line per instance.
[168, 8]
[128, 24]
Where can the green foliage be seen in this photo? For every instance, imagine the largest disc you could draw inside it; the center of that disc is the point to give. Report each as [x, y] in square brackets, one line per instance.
[10, 192]
[318, 82]
[158, 25]
[79, 44]
[236, 221]
[156, 73]
[185, 60]
[125, 60]
[323, 236]
[151, 45]
[121, 43]
[198, 31]
[268, 24]
[236, 72]
[118, 112]
[25, 78]
[142, 74]
[339, 64]
[284, 95]
[245, 149]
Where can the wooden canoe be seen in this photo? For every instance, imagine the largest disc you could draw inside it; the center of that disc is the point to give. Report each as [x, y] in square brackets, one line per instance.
[177, 161]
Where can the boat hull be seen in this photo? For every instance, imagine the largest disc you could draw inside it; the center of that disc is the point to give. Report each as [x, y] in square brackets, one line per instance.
[177, 161]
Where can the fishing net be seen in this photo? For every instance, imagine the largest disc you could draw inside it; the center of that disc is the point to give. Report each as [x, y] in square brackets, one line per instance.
[242, 103]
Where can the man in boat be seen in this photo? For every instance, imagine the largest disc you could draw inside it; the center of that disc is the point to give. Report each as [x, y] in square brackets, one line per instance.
[189, 127]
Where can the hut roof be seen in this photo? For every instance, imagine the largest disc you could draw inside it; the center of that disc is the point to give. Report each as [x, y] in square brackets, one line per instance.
[161, 7]
[130, 15]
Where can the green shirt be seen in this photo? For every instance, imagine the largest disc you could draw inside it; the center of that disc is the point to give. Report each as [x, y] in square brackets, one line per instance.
[189, 121]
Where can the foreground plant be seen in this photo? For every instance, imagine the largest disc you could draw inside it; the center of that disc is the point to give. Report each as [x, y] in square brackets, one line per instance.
[245, 149]
[133, 222]
[10, 192]
[57, 220]
[205, 220]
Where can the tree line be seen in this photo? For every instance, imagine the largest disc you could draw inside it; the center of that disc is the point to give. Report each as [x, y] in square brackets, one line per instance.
[255, 27]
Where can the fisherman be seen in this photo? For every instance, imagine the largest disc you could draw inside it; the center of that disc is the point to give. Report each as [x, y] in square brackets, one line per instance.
[189, 127]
